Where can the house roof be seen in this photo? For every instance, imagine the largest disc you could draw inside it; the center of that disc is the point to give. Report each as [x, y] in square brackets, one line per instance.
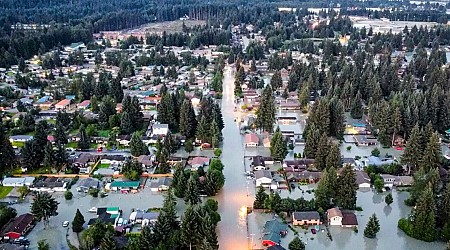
[150, 215]
[64, 102]
[362, 177]
[309, 215]
[18, 224]
[84, 103]
[9, 246]
[333, 212]
[198, 160]
[164, 181]
[160, 126]
[274, 226]
[89, 182]
[276, 247]
[262, 173]
[125, 184]
[251, 138]
[349, 219]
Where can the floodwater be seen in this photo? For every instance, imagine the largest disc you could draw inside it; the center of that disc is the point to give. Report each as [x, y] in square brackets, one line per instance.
[389, 237]
[237, 192]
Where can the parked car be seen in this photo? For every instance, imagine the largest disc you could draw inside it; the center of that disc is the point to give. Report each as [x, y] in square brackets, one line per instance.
[66, 223]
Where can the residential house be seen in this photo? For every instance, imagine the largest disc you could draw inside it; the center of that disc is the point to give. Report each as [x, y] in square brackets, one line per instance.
[251, 140]
[88, 183]
[18, 181]
[260, 162]
[50, 184]
[287, 118]
[18, 226]
[336, 217]
[305, 177]
[365, 140]
[377, 161]
[124, 185]
[362, 179]
[263, 178]
[145, 160]
[84, 105]
[266, 142]
[124, 140]
[272, 232]
[75, 47]
[43, 103]
[162, 184]
[109, 215]
[305, 218]
[198, 161]
[84, 162]
[63, 105]
[20, 138]
[158, 129]
[403, 181]
[149, 218]
[289, 105]
[9, 246]
[388, 180]
[298, 165]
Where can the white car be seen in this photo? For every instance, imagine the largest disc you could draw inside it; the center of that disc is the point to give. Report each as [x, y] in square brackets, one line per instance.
[65, 223]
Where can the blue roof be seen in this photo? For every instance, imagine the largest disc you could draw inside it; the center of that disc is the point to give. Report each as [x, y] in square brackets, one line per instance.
[43, 99]
[70, 97]
[360, 125]
[149, 93]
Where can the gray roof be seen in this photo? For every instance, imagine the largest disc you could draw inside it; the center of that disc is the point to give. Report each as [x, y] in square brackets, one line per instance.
[310, 215]
[166, 181]
[262, 173]
[160, 126]
[89, 183]
[150, 216]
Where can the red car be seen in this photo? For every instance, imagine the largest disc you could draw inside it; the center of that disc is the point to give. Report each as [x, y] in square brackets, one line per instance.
[99, 149]
[313, 231]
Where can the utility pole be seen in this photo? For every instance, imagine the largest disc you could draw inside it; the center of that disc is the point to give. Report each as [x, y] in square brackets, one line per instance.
[248, 194]
[252, 241]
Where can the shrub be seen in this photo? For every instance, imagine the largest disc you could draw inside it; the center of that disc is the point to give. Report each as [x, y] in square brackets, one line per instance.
[406, 226]
[93, 192]
[349, 148]
[68, 195]
[358, 208]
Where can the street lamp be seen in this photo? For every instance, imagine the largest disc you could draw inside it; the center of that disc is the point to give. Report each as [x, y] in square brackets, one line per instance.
[251, 247]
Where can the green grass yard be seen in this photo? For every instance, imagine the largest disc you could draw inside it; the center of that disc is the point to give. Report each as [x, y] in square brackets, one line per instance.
[103, 133]
[103, 165]
[4, 191]
[18, 144]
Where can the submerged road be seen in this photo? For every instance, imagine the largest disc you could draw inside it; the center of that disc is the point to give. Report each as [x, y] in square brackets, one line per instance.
[234, 198]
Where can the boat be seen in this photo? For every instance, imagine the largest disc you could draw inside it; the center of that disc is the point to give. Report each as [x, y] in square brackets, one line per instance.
[93, 210]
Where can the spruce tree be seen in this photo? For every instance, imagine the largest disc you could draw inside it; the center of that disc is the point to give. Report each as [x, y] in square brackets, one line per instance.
[265, 115]
[424, 222]
[311, 142]
[192, 193]
[60, 133]
[322, 192]
[126, 124]
[78, 222]
[356, 110]
[84, 142]
[260, 198]
[7, 155]
[179, 182]
[209, 232]
[216, 135]
[191, 231]
[276, 81]
[334, 157]
[203, 130]
[412, 153]
[388, 199]
[322, 152]
[137, 146]
[432, 153]
[372, 227]
[188, 121]
[167, 221]
[346, 188]
[278, 146]
[116, 90]
[443, 210]
[166, 111]
[50, 157]
[296, 244]
[108, 242]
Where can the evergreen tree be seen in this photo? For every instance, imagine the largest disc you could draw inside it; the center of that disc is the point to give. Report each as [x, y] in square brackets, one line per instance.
[188, 121]
[108, 242]
[203, 130]
[214, 181]
[311, 142]
[29, 155]
[265, 115]
[137, 146]
[322, 152]
[432, 154]
[7, 155]
[43, 207]
[334, 157]
[209, 232]
[107, 108]
[322, 193]
[216, 134]
[50, 157]
[356, 110]
[84, 142]
[78, 222]
[116, 90]
[388, 199]
[337, 118]
[167, 221]
[191, 231]
[278, 146]
[346, 188]
[411, 155]
[276, 81]
[60, 134]
[166, 111]
[424, 223]
[260, 198]
[303, 96]
[179, 182]
[372, 227]
[296, 244]
[443, 210]
[42, 245]
[126, 124]
[192, 193]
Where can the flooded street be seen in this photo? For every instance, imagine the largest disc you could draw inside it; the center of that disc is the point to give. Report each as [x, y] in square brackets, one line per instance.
[232, 230]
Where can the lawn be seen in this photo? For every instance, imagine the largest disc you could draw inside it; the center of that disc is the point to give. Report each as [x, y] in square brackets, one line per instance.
[18, 144]
[4, 191]
[103, 165]
[103, 133]
[72, 144]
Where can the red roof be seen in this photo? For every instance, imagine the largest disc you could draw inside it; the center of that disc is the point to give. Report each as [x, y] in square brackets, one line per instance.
[251, 138]
[84, 103]
[63, 103]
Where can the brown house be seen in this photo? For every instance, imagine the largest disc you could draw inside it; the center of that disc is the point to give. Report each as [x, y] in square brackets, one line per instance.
[305, 218]
[18, 226]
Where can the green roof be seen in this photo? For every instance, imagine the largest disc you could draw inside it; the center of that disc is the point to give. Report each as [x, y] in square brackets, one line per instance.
[125, 184]
[447, 131]
[110, 209]
[113, 216]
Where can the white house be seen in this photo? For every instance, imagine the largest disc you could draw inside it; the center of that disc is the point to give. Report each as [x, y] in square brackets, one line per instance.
[159, 129]
[17, 181]
[362, 179]
[388, 180]
[335, 217]
[263, 178]
[20, 138]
